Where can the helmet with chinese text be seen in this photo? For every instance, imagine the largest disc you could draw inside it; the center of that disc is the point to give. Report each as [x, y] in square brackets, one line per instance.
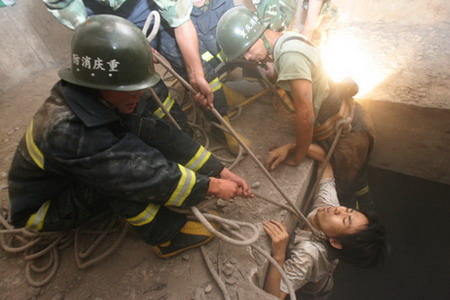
[110, 53]
[237, 30]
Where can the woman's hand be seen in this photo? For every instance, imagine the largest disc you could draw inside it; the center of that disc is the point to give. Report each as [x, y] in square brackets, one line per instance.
[279, 236]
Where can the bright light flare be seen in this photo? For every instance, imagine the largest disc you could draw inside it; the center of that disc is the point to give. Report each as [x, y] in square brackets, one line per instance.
[345, 56]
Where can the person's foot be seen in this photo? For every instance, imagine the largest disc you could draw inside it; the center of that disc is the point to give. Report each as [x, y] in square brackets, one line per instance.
[192, 234]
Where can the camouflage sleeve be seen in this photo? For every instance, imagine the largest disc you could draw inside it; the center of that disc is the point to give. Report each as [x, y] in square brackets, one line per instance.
[175, 12]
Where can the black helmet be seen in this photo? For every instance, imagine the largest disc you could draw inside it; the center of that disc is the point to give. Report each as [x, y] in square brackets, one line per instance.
[110, 53]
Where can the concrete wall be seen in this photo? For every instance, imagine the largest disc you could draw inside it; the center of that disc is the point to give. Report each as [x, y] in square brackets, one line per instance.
[411, 140]
[31, 41]
[398, 11]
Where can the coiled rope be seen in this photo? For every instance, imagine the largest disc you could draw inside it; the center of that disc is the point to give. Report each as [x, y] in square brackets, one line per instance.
[45, 246]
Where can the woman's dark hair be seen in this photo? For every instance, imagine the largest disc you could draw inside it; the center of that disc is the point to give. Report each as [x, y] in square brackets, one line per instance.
[366, 248]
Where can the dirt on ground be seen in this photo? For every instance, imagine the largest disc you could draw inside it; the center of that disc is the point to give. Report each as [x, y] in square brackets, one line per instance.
[418, 55]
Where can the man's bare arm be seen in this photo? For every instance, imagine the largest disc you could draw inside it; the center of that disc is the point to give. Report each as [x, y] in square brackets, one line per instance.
[301, 91]
[187, 40]
[317, 153]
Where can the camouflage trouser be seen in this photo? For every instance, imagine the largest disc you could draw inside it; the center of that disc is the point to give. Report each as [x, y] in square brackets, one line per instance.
[279, 15]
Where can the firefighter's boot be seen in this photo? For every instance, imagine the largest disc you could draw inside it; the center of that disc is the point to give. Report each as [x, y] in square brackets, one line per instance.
[226, 138]
[192, 234]
[233, 97]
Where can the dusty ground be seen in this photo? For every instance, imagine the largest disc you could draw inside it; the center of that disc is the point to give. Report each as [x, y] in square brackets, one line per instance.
[418, 55]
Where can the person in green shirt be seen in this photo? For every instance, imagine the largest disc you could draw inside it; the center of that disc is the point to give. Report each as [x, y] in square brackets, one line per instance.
[319, 103]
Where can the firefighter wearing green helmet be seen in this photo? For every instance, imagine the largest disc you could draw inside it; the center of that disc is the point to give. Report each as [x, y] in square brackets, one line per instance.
[94, 146]
[296, 66]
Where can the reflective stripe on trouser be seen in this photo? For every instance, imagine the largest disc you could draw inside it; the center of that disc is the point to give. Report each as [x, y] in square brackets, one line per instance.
[199, 159]
[207, 57]
[36, 220]
[168, 104]
[146, 216]
[33, 150]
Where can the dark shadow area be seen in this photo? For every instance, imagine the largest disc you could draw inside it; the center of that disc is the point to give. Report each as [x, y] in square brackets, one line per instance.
[416, 214]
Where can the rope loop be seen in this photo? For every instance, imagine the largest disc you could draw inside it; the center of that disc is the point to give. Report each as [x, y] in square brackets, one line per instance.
[152, 15]
[229, 225]
[345, 125]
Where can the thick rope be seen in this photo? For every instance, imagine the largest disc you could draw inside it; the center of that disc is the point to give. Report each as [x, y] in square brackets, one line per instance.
[342, 127]
[38, 245]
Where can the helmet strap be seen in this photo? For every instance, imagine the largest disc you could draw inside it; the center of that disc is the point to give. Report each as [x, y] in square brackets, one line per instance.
[266, 43]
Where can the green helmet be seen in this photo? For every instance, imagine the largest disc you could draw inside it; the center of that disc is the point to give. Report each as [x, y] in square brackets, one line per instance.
[238, 29]
[110, 53]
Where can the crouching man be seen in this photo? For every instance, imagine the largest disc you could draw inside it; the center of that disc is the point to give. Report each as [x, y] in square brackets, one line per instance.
[320, 107]
[93, 146]
[351, 236]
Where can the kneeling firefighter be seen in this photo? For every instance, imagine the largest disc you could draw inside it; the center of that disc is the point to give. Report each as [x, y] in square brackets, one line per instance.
[94, 146]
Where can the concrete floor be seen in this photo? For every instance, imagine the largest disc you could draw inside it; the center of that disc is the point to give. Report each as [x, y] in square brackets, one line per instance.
[416, 215]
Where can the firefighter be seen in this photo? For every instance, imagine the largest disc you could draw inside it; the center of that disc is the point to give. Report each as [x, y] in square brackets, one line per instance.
[93, 146]
[186, 39]
[319, 104]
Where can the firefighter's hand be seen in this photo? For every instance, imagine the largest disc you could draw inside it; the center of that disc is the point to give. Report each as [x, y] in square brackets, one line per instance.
[223, 188]
[279, 155]
[279, 236]
[241, 182]
[205, 96]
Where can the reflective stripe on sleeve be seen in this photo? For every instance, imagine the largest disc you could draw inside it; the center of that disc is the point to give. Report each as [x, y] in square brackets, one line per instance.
[36, 220]
[199, 159]
[184, 187]
[215, 84]
[362, 191]
[168, 103]
[146, 216]
[33, 150]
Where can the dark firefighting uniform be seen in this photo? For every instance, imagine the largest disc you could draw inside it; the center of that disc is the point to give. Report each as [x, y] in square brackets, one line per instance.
[79, 158]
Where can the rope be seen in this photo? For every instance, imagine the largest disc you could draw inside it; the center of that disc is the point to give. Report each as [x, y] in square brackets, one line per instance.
[153, 14]
[342, 127]
[39, 245]
[166, 111]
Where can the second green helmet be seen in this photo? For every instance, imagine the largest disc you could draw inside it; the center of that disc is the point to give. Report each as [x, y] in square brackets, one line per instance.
[110, 53]
[238, 29]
